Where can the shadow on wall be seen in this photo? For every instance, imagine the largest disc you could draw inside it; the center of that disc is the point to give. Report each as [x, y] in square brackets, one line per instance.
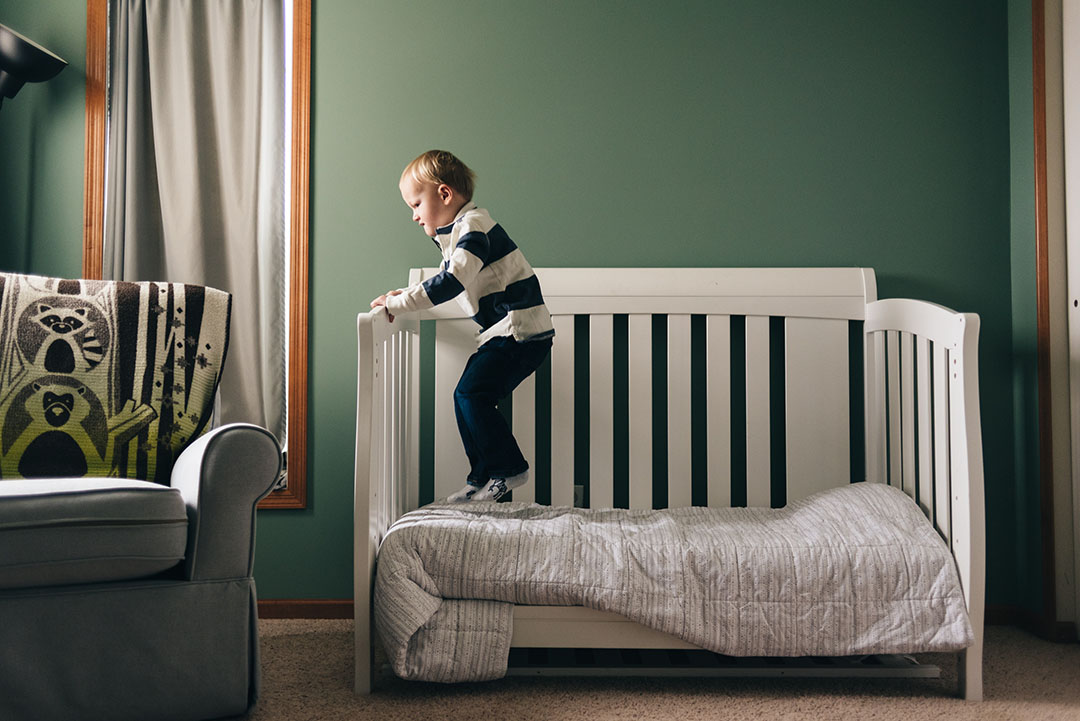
[1025, 499]
[39, 153]
[16, 178]
[17, 181]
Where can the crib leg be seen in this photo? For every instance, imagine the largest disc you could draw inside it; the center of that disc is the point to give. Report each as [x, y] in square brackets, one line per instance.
[970, 672]
[365, 672]
[364, 648]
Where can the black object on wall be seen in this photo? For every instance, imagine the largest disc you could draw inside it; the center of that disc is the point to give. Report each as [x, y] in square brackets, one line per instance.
[24, 61]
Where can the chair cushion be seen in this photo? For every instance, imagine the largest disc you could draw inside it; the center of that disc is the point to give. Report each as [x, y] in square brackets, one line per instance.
[105, 378]
[83, 530]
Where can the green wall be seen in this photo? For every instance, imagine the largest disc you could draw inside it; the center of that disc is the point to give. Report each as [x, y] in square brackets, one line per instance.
[736, 133]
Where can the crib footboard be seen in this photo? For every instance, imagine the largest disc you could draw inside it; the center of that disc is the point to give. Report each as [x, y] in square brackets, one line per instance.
[387, 426]
[924, 435]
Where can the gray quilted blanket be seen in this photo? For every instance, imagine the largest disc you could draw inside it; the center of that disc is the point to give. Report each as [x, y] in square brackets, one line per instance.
[853, 570]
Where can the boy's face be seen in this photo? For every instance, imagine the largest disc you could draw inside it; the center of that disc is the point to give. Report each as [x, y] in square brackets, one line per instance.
[433, 206]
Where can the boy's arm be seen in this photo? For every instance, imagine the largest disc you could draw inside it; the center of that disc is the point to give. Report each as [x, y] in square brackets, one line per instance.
[406, 300]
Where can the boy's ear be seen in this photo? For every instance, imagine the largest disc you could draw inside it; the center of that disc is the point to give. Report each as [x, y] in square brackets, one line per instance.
[446, 193]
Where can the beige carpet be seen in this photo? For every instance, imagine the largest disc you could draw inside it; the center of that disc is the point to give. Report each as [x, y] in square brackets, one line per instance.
[308, 670]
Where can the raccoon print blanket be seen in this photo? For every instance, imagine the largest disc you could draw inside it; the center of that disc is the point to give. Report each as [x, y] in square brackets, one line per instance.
[105, 378]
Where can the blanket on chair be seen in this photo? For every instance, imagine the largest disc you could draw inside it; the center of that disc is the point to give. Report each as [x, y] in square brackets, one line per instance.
[850, 571]
[105, 378]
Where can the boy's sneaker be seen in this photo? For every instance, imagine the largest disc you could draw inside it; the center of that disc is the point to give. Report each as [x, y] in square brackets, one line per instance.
[496, 488]
[464, 495]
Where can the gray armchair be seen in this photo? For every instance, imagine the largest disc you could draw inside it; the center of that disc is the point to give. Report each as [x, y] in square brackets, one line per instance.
[126, 591]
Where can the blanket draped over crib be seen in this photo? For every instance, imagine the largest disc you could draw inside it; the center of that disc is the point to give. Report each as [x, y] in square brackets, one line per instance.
[849, 571]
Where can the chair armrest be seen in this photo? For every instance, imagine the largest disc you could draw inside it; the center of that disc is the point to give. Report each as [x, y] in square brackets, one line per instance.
[222, 476]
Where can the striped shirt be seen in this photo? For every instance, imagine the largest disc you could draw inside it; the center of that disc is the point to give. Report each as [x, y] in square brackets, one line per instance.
[488, 276]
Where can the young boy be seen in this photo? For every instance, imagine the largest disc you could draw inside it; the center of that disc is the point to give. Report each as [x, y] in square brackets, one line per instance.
[491, 280]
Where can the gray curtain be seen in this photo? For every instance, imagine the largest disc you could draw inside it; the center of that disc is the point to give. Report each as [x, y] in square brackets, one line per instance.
[195, 174]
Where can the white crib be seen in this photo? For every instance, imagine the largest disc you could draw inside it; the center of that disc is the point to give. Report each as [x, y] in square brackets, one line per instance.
[803, 379]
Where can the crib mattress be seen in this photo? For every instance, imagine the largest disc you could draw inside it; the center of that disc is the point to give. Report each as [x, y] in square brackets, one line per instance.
[853, 570]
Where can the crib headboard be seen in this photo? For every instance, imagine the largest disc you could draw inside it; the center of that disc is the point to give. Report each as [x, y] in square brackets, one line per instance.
[693, 386]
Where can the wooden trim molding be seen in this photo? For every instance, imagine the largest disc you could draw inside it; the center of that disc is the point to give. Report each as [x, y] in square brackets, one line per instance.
[295, 494]
[97, 68]
[1042, 292]
[306, 608]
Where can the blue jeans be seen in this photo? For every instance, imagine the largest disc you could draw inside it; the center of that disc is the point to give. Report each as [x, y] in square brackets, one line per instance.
[493, 371]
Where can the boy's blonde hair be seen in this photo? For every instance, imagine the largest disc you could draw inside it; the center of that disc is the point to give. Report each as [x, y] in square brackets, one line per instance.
[440, 167]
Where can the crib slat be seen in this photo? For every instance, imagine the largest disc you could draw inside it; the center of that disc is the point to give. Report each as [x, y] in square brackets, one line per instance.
[907, 412]
[678, 382]
[387, 452]
[454, 343]
[401, 351]
[758, 457]
[379, 450]
[926, 449]
[874, 404]
[639, 333]
[601, 411]
[388, 423]
[718, 408]
[393, 419]
[562, 412]
[413, 463]
[942, 462]
[816, 405]
[401, 370]
[892, 352]
[525, 434]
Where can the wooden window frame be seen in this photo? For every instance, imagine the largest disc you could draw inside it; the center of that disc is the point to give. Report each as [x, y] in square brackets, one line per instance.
[97, 28]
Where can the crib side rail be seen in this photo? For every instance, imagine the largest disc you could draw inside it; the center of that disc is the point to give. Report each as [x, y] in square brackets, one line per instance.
[924, 434]
[650, 331]
[386, 468]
